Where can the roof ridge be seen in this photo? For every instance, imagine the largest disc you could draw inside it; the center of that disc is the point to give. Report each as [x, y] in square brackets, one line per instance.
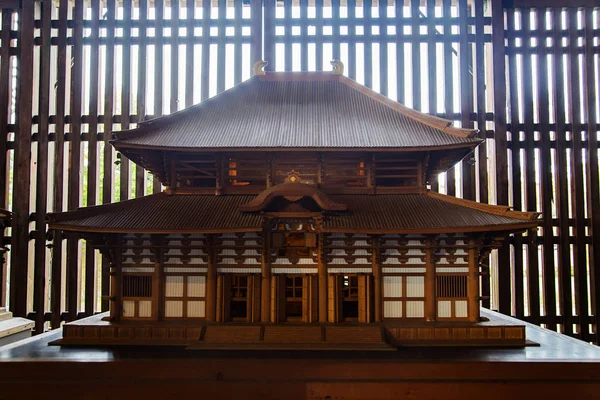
[505, 211]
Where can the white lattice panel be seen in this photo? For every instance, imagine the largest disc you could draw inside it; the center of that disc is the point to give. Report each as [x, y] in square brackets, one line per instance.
[195, 309]
[174, 286]
[145, 309]
[173, 309]
[128, 308]
[392, 286]
[196, 286]
[415, 309]
[444, 309]
[415, 286]
[392, 309]
[460, 309]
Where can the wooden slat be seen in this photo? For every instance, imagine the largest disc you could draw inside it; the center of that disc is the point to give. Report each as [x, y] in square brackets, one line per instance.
[221, 16]
[92, 181]
[449, 53]
[124, 169]
[466, 94]
[352, 23]
[533, 290]
[5, 59]
[174, 58]
[500, 144]
[368, 44]
[56, 288]
[237, 44]
[158, 68]
[592, 101]
[415, 54]
[562, 199]
[480, 57]
[546, 182]
[140, 182]
[504, 283]
[578, 196]
[5, 63]
[22, 178]
[189, 52]
[41, 190]
[75, 158]
[383, 49]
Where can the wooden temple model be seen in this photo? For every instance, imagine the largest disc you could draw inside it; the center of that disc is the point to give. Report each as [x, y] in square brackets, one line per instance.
[296, 215]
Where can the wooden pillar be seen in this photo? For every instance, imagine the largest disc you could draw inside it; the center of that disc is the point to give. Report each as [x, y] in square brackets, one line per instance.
[211, 281]
[430, 300]
[158, 303]
[322, 277]
[265, 289]
[377, 278]
[473, 282]
[116, 279]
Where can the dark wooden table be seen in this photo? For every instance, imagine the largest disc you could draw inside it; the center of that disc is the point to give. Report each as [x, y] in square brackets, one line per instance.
[559, 368]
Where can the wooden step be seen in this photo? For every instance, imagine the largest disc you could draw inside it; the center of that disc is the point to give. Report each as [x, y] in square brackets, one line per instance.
[232, 334]
[354, 334]
[293, 334]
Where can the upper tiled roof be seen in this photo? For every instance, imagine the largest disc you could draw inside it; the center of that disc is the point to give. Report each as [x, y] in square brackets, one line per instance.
[193, 213]
[297, 110]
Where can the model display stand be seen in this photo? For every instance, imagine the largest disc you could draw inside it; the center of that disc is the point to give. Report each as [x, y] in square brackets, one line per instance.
[296, 215]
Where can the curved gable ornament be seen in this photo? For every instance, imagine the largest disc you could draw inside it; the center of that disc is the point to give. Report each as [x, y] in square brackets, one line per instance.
[292, 191]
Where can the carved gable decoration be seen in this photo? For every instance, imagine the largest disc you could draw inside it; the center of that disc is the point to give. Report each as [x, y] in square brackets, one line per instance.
[292, 197]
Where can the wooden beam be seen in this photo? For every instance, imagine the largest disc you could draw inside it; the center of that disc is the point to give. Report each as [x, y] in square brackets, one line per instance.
[322, 277]
[265, 291]
[377, 277]
[473, 282]
[430, 301]
[211, 281]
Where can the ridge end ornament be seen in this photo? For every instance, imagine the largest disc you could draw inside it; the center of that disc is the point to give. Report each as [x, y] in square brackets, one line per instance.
[338, 67]
[259, 67]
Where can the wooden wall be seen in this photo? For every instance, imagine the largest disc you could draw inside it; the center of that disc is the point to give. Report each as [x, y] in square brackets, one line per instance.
[84, 69]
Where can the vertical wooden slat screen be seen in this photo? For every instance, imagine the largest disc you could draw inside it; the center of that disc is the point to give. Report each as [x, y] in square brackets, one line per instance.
[526, 77]
[552, 83]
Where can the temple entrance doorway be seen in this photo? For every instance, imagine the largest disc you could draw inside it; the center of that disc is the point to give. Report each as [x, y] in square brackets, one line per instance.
[349, 297]
[293, 298]
[238, 298]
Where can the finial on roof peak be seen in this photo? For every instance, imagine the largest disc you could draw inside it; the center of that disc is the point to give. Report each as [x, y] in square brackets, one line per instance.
[259, 67]
[338, 67]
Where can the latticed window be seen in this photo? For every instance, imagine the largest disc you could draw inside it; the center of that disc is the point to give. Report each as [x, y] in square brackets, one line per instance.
[451, 286]
[137, 286]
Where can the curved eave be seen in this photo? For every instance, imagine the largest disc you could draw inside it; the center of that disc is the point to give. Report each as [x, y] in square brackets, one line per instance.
[441, 124]
[122, 146]
[531, 218]
[80, 229]
[508, 228]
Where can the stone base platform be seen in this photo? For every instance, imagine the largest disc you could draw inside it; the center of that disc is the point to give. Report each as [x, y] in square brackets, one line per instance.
[496, 331]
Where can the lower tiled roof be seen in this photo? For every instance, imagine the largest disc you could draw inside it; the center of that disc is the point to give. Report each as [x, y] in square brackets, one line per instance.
[195, 213]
